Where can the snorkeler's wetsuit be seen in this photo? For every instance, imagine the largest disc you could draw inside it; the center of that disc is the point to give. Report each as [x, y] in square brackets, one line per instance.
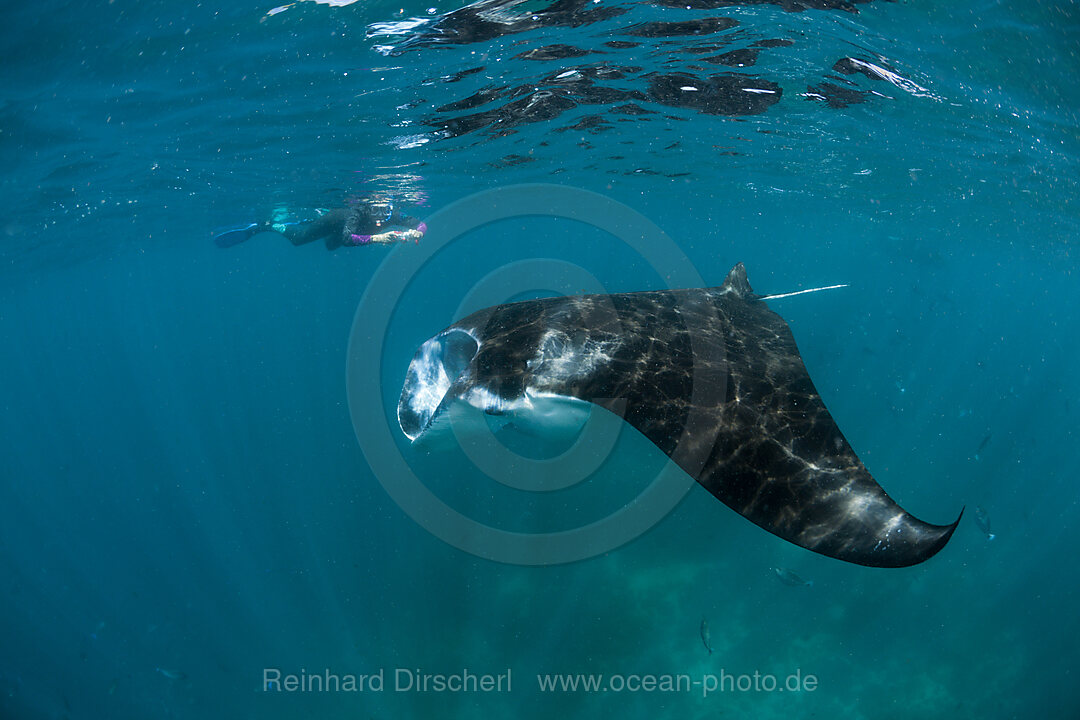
[346, 226]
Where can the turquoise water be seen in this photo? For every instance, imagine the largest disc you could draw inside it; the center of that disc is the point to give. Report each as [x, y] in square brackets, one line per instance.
[184, 499]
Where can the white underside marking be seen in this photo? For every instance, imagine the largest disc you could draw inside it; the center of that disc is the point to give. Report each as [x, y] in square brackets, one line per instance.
[542, 415]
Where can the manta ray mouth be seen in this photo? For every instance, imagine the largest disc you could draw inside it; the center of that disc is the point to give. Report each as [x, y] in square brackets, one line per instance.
[437, 366]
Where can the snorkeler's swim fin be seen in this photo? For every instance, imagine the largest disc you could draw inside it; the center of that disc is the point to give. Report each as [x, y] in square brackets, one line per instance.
[228, 237]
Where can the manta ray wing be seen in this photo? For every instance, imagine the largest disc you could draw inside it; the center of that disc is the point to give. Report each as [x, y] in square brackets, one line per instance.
[711, 376]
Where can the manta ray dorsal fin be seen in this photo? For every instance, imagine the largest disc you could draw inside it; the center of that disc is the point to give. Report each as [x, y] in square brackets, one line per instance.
[737, 284]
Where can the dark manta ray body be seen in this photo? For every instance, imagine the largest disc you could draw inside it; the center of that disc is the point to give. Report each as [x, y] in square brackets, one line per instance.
[711, 376]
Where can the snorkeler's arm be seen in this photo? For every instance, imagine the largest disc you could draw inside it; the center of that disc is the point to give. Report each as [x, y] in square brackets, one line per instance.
[390, 236]
[416, 230]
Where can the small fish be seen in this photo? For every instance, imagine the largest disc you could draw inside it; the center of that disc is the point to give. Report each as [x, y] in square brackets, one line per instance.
[984, 441]
[792, 578]
[706, 636]
[172, 674]
[983, 521]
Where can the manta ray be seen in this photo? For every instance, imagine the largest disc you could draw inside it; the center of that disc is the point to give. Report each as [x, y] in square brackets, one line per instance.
[710, 376]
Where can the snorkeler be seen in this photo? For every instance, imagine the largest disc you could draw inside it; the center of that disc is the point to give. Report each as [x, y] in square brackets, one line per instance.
[362, 223]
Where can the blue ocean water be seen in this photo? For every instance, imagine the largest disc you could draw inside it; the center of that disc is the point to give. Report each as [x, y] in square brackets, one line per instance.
[185, 501]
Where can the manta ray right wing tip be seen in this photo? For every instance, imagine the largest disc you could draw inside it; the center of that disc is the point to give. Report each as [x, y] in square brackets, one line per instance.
[930, 540]
[945, 533]
[951, 528]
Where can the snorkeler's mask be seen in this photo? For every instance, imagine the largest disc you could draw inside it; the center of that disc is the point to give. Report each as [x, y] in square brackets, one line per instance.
[382, 210]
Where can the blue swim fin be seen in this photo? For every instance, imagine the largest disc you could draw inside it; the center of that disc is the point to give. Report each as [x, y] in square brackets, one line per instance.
[227, 237]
